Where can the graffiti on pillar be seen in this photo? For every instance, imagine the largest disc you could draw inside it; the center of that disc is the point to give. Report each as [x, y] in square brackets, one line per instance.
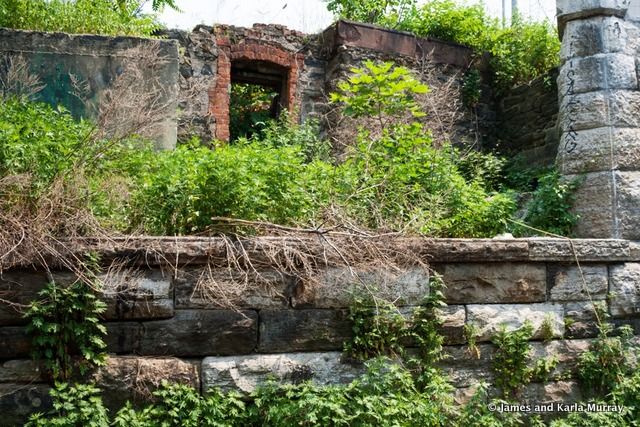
[571, 136]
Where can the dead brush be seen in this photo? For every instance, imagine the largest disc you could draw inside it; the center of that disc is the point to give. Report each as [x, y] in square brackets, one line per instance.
[241, 267]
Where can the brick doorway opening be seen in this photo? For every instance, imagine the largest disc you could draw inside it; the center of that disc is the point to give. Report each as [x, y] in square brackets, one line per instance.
[258, 95]
[256, 63]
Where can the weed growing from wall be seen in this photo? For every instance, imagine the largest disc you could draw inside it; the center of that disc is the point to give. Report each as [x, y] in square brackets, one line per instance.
[65, 329]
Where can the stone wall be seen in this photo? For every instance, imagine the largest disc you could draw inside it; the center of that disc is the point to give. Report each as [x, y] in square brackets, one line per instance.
[164, 329]
[527, 121]
[95, 62]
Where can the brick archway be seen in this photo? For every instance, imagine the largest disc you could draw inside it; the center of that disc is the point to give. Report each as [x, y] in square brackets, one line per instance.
[246, 52]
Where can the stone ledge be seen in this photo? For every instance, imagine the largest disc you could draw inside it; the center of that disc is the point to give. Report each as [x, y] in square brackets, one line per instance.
[149, 250]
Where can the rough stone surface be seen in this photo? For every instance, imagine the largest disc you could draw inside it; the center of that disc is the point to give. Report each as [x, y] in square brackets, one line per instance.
[580, 319]
[489, 318]
[302, 330]
[571, 283]
[598, 72]
[133, 379]
[628, 204]
[566, 352]
[17, 289]
[137, 297]
[20, 371]
[493, 283]
[200, 333]
[625, 289]
[334, 288]
[244, 373]
[14, 343]
[18, 401]
[197, 288]
[466, 368]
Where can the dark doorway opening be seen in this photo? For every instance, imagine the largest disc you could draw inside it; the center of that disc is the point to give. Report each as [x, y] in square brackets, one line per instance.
[258, 89]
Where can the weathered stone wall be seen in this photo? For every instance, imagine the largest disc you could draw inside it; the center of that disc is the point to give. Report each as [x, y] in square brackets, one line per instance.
[163, 328]
[95, 62]
[599, 116]
[527, 121]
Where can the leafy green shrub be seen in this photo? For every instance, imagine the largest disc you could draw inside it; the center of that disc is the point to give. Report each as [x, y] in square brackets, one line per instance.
[77, 405]
[476, 412]
[65, 324]
[511, 359]
[38, 140]
[550, 207]
[485, 168]
[609, 360]
[398, 179]
[111, 17]
[378, 329]
[370, 11]
[385, 396]
[249, 109]
[185, 188]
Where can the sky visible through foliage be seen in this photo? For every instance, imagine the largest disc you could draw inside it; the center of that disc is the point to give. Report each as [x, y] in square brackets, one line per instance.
[309, 16]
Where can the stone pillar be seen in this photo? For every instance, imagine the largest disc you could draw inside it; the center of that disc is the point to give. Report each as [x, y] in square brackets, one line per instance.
[600, 113]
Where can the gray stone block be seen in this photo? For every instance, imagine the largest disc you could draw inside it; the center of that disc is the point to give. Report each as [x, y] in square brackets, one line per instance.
[303, 330]
[570, 283]
[139, 296]
[194, 333]
[335, 287]
[598, 72]
[134, 379]
[197, 288]
[14, 343]
[493, 282]
[19, 401]
[625, 289]
[489, 318]
[245, 373]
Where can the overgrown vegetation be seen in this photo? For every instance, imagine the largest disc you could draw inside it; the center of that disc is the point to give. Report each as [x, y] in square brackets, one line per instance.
[519, 52]
[109, 17]
[251, 108]
[64, 325]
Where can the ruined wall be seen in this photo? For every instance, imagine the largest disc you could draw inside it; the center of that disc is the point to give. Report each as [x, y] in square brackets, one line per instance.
[95, 62]
[205, 72]
[164, 328]
[527, 121]
[600, 115]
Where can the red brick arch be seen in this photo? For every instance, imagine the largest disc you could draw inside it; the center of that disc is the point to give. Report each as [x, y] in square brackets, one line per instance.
[248, 51]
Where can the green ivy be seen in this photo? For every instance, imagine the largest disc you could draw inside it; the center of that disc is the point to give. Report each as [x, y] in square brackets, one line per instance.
[65, 329]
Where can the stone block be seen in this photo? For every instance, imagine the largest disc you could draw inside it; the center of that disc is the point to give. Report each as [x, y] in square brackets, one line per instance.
[465, 368]
[220, 288]
[21, 371]
[123, 337]
[554, 392]
[245, 373]
[566, 352]
[584, 111]
[577, 9]
[599, 149]
[490, 318]
[625, 289]
[335, 287]
[628, 204]
[570, 283]
[580, 320]
[19, 401]
[493, 282]
[134, 379]
[593, 203]
[14, 343]
[592, 36]
[194, 333]
[18, 288]
[303, 330]
[598, 72]
[137, 296]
